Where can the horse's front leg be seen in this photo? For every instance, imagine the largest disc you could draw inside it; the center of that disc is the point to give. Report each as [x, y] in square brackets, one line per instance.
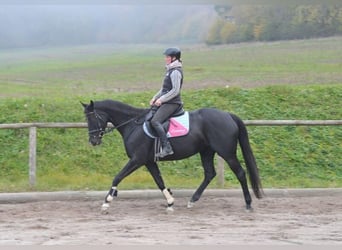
[155, 172]
[130, 167]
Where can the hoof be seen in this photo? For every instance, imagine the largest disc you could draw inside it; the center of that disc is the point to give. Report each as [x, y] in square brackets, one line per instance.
[249, 209]
[169, 209]
[190, 204]
[104, 208]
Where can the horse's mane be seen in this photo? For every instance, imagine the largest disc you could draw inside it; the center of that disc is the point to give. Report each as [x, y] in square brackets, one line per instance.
[112, 104]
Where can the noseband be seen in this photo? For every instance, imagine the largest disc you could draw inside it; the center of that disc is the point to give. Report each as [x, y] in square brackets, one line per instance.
[99, 128]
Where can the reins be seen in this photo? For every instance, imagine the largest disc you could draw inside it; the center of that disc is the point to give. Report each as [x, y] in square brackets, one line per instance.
[108, 130]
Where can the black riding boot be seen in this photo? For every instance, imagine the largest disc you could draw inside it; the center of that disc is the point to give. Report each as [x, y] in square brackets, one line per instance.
[166, 146]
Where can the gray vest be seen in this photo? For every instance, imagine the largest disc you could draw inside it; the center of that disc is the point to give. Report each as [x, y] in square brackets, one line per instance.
[167, 85]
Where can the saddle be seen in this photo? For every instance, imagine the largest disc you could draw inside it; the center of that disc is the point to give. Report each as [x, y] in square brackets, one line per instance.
[176, 125]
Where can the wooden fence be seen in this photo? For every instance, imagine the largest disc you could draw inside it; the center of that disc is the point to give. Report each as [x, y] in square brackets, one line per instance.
[220, 168]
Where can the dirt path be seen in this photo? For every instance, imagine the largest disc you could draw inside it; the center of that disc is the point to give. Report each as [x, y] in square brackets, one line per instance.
[213, 221]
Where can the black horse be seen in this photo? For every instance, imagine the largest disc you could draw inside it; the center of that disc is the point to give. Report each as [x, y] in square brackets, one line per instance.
[211, 131]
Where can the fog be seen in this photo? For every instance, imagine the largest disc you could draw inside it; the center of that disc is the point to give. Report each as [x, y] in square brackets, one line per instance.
[56, 25]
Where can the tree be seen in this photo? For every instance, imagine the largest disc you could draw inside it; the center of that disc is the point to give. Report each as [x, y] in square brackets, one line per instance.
[271, 22]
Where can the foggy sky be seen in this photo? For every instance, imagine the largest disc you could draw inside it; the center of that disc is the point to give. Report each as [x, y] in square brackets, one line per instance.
[54, 25]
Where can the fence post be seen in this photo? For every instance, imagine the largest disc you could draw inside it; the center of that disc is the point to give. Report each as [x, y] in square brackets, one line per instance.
[33, 153]
[220, 172]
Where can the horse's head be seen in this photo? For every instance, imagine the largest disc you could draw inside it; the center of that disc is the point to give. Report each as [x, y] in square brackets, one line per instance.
[96, 123]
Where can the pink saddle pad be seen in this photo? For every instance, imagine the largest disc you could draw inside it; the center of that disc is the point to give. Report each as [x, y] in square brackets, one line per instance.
[179, 126]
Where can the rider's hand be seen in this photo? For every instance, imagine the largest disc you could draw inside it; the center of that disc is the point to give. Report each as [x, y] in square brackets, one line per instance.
[152, 101]
[158, 102]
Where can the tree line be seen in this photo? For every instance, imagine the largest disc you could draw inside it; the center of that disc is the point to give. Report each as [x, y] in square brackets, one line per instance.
[271, 22]
[58, 25]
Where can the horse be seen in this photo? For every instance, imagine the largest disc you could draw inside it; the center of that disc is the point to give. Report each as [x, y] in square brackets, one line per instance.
[212, 131]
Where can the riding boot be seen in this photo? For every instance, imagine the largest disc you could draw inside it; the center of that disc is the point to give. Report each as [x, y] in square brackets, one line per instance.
[166, 149]
[166, 146]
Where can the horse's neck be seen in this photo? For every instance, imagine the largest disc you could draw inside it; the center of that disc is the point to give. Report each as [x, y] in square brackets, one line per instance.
[123, 117]
[120, 113]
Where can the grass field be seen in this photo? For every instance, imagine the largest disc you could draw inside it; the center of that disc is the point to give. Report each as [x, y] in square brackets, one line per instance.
[109, 69]
[280, 80]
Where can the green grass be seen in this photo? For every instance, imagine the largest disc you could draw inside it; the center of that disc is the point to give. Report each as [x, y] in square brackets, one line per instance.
[287, 156]
[91, 70]
[283, 80]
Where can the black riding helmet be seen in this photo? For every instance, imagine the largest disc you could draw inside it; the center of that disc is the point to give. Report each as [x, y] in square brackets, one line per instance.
[174, 52]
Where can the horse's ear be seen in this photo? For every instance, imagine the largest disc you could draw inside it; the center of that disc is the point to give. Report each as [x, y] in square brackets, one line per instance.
[83, 104]
[91, 106]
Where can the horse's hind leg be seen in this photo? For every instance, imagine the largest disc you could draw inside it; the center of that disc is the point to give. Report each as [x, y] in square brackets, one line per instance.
[207, 158]
[235, 166]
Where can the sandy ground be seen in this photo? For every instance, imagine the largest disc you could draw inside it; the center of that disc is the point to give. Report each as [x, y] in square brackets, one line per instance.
[213, 221]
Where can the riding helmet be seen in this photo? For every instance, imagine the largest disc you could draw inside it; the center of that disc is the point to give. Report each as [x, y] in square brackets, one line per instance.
[173, 52]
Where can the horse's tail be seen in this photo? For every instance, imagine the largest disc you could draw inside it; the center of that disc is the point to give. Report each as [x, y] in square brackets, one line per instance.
[247, 153]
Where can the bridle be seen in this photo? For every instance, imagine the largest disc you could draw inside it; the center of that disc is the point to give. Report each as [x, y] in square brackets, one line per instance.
[102, 132]
[99, 129]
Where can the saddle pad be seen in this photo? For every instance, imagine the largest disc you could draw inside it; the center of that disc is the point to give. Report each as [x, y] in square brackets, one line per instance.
[179, 126]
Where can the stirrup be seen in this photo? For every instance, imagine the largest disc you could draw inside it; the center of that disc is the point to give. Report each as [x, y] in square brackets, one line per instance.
[165, 152]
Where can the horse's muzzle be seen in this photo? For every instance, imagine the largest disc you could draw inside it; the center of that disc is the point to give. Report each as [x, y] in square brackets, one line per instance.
[95, 140]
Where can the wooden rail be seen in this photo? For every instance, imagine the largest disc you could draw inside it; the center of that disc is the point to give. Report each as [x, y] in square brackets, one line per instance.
[247, 122]
[220, 168]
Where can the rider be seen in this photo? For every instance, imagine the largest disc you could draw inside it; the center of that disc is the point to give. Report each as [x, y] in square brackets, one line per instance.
[168, 98]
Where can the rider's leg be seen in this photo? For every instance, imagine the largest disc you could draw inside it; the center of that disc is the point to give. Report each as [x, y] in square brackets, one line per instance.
[163, 113]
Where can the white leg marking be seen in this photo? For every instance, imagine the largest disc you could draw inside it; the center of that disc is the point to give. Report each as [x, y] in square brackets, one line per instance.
[109, 198]
[191, 204]
[168, 196]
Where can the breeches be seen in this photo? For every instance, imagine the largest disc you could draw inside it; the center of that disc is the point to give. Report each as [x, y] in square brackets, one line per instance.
[163, 113]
